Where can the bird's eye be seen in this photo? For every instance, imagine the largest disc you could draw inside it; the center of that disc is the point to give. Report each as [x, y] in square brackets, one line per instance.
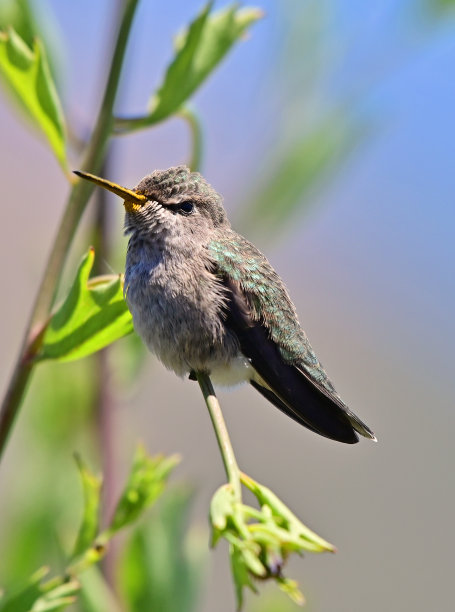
[186, 208]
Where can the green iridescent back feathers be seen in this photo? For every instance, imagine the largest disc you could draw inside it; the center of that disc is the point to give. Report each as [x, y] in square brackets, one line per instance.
[269, 301]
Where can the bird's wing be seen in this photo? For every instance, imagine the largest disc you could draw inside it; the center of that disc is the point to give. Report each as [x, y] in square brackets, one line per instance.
[261, 314]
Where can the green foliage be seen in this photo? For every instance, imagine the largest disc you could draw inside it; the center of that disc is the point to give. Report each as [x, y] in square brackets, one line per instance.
[38, 596]
[19, 15]
[146, 482]
[260, 541]
[22, 15]
[162, 568]
[26, 74]
[93, 316]
[198, 51]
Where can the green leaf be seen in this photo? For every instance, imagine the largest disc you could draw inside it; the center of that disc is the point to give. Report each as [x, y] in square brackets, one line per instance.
[30, 22]
[26, 74]
[36, 596]
[291, 588]
[199, 50]
[93, 315]
[240, 574]
[19, 15]
[88, 529]
[163, 564]
[260, 541]
[24, 596]
[222, 506]
[145, 484]
[283, 516]
[57, 598]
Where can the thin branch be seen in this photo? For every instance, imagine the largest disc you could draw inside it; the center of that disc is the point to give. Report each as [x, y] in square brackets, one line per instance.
[77, 202]
[93, 160]
[194, 124]
[127, 125]
[221, 432]
[103, 405]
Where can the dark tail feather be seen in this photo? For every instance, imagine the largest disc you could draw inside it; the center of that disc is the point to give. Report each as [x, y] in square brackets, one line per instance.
[273, 399]
[308, 406]
[287, 386]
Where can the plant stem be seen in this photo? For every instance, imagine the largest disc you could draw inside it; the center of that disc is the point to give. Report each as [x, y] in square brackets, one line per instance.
[194, 124]
[77, 202]
[221, 432]
[93, 160]
[103, 405]
[127, 125]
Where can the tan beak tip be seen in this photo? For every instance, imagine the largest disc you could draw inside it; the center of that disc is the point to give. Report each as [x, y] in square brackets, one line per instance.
[127, 194]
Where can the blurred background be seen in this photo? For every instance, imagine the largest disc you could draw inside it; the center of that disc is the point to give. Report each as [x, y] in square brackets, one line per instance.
[329, 131]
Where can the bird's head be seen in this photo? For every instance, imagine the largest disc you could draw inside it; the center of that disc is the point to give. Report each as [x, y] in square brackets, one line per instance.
[175, 199]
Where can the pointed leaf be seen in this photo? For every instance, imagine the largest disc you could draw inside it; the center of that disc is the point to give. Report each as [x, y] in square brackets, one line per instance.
[93, 315]
[57, 598]
[252, 562]
[32, 22]
[19, 15]
[199, 50]
[240, 575]
[23, 597]
[146, 482]
[222, 506]
[36, 597]
[26, 75]
[283, 515]
[291, 588]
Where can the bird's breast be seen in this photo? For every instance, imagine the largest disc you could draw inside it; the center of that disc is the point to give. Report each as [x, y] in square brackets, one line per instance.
[177, 309]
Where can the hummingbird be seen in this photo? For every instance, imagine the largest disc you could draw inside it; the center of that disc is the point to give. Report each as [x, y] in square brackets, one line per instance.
[204, 299]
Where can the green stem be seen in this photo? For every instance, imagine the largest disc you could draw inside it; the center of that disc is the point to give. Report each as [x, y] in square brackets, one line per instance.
[77, 202]
[93, 160]
[194, 124]
[221, 432]
[103, 408]
[127, 125]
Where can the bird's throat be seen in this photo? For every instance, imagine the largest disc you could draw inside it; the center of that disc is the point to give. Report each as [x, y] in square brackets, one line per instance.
[132, 207]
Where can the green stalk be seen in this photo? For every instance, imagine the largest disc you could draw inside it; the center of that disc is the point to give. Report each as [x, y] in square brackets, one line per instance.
[194, 124]
[221, 432]
[128, 125]
[76, 204]
[93, 160]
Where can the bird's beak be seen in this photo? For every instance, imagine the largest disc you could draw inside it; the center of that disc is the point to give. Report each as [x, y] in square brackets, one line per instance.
[132, 201]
